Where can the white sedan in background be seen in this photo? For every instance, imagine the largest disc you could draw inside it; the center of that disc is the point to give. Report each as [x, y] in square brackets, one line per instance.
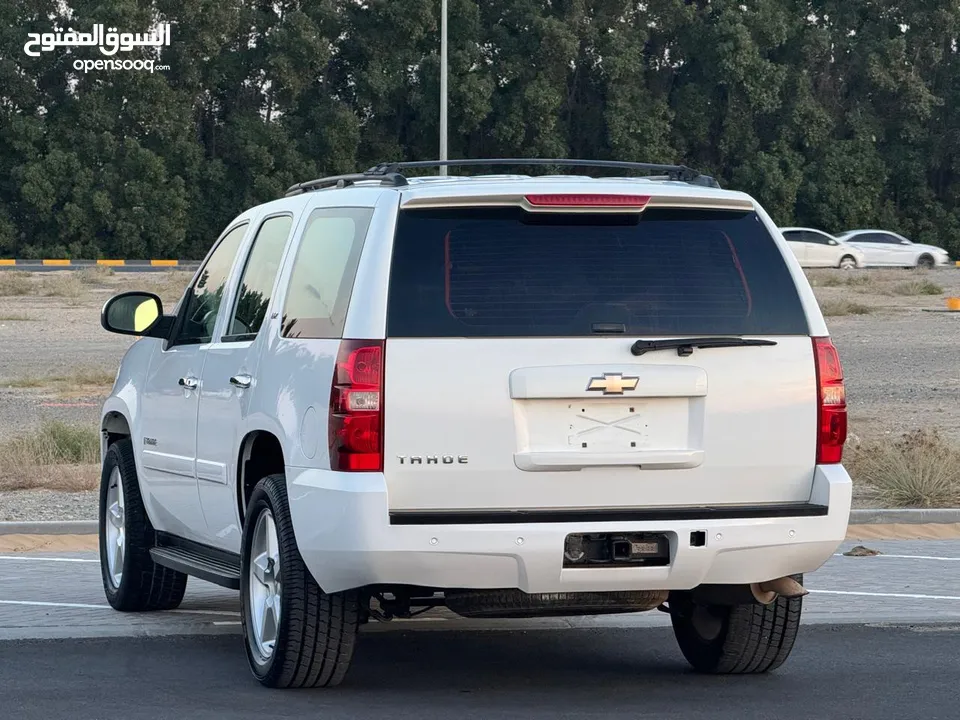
[815, 248]
[884, 248]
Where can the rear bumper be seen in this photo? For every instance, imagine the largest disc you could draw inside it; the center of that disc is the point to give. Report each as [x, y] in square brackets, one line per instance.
[344, 534]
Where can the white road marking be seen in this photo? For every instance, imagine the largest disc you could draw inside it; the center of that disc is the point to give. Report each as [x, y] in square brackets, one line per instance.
[226, 622]
[37, 603]
[28, 558]
[905, 557]
[891, 595]
[91, 606]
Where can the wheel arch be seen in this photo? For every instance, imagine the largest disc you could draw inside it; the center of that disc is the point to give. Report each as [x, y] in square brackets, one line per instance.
[115, 424]
[261, 453]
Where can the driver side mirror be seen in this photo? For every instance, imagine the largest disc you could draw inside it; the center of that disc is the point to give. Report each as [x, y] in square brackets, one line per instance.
[136, 313]
[904, 242]
[832, 242]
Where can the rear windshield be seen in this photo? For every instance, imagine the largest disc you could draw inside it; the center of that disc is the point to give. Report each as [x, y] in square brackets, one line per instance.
[503, 272]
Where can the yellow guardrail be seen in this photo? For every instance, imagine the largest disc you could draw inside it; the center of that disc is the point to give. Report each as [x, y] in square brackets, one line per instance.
[65, 262]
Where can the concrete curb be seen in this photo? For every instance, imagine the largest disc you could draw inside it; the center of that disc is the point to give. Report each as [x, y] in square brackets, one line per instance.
[50, 527]
[857, 517]
[906, 517]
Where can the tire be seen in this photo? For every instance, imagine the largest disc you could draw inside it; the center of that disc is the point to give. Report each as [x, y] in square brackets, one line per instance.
[314, 639]
[925, 262]
[141, 584]
[736, 640]
[847, 262]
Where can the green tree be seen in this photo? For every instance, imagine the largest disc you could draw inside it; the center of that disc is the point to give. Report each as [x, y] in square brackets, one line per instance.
[833, 113]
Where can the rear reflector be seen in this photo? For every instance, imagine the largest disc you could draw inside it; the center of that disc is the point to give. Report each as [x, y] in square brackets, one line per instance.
[356, 407]
[831, 403]
[592, 200]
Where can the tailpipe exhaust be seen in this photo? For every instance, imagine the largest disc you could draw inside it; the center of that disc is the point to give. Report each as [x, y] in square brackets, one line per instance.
[784, 587]
[754, 594]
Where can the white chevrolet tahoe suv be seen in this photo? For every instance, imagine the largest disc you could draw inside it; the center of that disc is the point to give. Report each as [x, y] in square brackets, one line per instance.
[511, 396]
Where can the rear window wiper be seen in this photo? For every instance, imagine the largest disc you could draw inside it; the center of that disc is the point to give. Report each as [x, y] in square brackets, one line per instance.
[685, 346]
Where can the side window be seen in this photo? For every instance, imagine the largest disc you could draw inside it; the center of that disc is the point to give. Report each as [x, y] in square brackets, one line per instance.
[256, 283]
[323, 272]
[202, 300]
[793, 236]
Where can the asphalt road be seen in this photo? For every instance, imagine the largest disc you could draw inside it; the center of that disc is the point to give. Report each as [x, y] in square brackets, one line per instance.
[836, 672]
[881, 639]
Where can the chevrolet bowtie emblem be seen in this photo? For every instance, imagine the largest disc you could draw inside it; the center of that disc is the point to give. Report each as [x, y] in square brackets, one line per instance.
[613, 383]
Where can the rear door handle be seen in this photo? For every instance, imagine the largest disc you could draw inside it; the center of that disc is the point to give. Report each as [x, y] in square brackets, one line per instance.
[241, 381]
[189, 382]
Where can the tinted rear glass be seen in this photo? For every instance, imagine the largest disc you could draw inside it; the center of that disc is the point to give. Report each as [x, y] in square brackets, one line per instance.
[502, 272]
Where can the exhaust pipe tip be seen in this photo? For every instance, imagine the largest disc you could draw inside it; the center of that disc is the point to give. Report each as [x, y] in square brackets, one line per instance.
[761, 595]
[783, 587]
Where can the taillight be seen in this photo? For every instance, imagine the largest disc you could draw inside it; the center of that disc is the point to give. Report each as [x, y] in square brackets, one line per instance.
[589, 200]
[831, 403]
[356, 407]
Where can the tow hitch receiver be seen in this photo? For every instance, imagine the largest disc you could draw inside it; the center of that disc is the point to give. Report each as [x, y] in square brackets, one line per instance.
[606, 549]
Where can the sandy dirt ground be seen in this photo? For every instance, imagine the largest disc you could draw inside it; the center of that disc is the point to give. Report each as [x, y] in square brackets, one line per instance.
[47, 543]
[19, 543]
[900, 361]
[899, 358]
[59, 336]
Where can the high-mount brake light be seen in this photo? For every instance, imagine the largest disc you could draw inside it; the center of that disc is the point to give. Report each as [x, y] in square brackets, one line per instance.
[356, 407]
[588, 200]
[831, 402]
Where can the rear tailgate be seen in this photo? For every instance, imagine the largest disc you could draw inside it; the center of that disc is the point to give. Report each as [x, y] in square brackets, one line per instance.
[510, 382]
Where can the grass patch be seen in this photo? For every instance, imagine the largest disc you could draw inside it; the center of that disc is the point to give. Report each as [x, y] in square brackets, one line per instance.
[69, 284]
[95, 274]
[837, 308]
[55, 456]
[917, 287]
[841, 278]
[828, 281]
[921, 470]
[15, 283]
[16, 318]
[76, 381]
[66, 286]
[859, 279]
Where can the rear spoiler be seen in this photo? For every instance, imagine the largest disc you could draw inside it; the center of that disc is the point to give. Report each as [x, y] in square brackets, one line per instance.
[580, 202]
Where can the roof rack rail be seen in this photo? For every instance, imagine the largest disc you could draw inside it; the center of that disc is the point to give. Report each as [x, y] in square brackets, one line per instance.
[680, 173]
[389, 174]
[389, 179]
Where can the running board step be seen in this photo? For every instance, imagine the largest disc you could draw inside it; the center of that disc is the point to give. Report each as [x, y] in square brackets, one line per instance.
[218, 570]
